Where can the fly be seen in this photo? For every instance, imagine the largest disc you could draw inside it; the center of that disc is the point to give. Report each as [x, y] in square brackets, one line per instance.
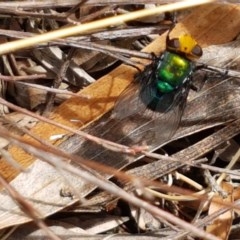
[157, 97]
[149, 111]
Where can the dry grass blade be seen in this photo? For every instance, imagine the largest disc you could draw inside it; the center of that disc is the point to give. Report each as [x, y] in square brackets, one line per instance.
[88, 27]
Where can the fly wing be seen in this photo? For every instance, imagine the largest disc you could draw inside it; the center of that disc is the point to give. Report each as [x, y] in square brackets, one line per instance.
[129, 102]
[155, 127]
[166, 125]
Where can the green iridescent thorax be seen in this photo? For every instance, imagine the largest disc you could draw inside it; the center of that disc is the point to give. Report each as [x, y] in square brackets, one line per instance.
[172, 71]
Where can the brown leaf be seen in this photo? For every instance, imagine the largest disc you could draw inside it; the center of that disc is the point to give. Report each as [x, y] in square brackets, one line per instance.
[222, 224]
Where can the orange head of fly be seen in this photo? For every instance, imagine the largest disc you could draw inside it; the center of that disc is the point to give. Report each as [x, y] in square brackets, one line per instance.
[184, 45]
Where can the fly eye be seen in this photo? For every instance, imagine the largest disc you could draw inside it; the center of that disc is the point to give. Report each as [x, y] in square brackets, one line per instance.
[173, 43]
[197, 51]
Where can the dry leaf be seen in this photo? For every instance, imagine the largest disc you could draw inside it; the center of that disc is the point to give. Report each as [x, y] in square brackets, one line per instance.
[222, 224]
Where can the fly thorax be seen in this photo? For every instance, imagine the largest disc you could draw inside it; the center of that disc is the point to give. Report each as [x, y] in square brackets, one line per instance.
[172, 71]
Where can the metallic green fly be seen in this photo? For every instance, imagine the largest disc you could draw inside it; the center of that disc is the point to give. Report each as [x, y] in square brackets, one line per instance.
[149, 111]
[155, 101]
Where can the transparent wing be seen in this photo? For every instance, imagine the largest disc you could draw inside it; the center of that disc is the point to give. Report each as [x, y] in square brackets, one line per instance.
[129, 102]
[155, 127]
